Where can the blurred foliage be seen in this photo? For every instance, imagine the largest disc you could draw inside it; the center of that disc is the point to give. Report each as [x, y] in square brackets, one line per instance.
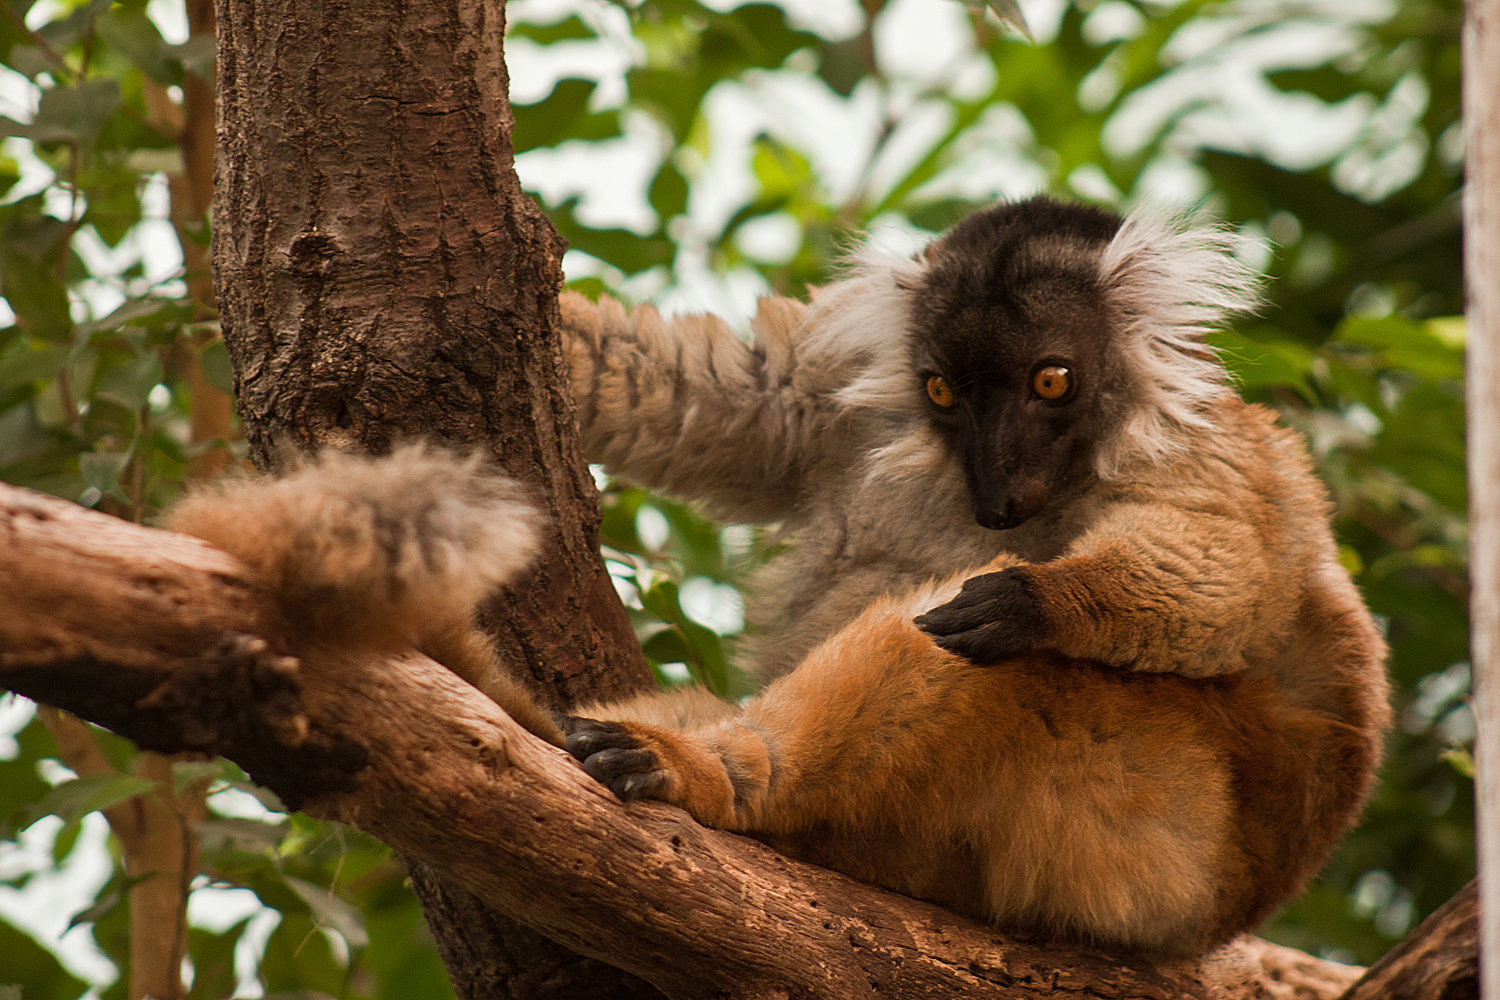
[772, 144]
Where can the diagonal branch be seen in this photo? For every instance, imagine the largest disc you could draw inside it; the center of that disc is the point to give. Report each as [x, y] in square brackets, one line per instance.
[170, 642]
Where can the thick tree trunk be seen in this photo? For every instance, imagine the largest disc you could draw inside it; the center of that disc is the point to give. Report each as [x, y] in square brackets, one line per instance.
[380, 276]
[168, 641]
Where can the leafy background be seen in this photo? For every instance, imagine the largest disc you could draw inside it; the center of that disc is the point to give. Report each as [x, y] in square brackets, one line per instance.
[697, 156]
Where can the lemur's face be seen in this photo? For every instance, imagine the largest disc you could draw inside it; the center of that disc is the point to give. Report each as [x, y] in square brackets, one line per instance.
[1010, 354]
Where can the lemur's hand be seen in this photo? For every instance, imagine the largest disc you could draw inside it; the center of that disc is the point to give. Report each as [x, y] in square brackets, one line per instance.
[994, 617]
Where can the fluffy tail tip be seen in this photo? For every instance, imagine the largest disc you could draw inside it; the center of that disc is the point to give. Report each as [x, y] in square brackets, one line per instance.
[372, 551]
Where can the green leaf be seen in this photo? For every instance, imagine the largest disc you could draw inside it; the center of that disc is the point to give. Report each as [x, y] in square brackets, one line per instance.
[213, 961]
[102, 469]
[936, 216]
[696, 645]
[298, 962]
[101, 908]
[620, 247]
[841, 65]
[332, 912]
[261, 794]
[77, 113]
[62, 34]
[36, 296]
[130, 384]
[1258, 362]
[64, 842]
[1325, 83]
[186, 773]
[1406, 343]
[754, 35]
[563, 114]
[77, 797]
[20, 785]
[34, 969]
[669, 193]
[145, 311]
[114, 204]
[667, 646]
[1462, 762]
[31, 61]
[134, 35]
[546, 34]
[231, 833]
[1009, 14]
[29, 361]
[21, 437]
[197, 54]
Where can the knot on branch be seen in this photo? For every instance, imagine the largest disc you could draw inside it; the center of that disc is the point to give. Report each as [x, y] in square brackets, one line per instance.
[238, 687]
[243, 700]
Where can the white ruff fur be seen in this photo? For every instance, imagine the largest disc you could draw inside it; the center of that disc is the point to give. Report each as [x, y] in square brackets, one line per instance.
[866, 317]
[1169, 285]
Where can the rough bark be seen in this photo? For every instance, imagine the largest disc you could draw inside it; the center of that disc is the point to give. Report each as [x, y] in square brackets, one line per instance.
[1437, 961]
[380, 276]
[166, 640]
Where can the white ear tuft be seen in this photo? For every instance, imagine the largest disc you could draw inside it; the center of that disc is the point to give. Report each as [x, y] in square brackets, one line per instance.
[1169, 283]
[860, 325]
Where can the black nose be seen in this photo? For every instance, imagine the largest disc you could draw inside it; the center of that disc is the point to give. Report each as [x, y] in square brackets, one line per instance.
[995, 520]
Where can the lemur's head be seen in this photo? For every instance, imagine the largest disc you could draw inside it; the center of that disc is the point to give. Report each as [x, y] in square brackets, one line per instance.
[1043, 345]
[1010, 349]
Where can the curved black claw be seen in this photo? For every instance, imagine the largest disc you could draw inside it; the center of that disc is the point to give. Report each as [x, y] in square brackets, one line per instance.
[994, 617]
[612, 756]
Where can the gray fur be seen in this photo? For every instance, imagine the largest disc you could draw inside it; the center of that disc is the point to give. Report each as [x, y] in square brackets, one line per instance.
[822, 425]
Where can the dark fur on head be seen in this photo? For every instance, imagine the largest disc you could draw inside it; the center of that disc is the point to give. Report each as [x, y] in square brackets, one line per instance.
[1006, 292]
[1122, 304]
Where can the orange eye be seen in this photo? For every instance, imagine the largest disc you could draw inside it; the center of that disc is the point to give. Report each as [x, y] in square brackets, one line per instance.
[1051, 382]
[939, 391]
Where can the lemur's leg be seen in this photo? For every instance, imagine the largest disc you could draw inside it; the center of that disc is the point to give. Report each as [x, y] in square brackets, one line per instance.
[1095, 802]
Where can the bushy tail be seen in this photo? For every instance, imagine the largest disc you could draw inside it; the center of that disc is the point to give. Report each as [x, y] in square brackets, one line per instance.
[381, 555]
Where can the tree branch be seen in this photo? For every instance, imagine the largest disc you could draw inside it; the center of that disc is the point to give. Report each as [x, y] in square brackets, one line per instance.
[1437, 961]
[170, 642]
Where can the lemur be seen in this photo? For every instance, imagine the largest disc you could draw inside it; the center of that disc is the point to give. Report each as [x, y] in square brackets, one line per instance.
[1062, 640]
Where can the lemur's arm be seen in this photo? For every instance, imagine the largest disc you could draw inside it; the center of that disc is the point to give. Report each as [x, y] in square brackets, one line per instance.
[1151, 586]
[685, 406]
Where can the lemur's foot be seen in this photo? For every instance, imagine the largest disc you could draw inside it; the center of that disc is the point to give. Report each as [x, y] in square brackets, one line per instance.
[615, 757]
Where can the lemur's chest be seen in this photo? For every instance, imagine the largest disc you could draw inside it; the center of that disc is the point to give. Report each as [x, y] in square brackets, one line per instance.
[865, 538]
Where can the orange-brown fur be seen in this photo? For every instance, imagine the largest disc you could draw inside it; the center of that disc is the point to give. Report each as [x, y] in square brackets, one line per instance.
[1064, 796]
[381, 556]
[1155, 812]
